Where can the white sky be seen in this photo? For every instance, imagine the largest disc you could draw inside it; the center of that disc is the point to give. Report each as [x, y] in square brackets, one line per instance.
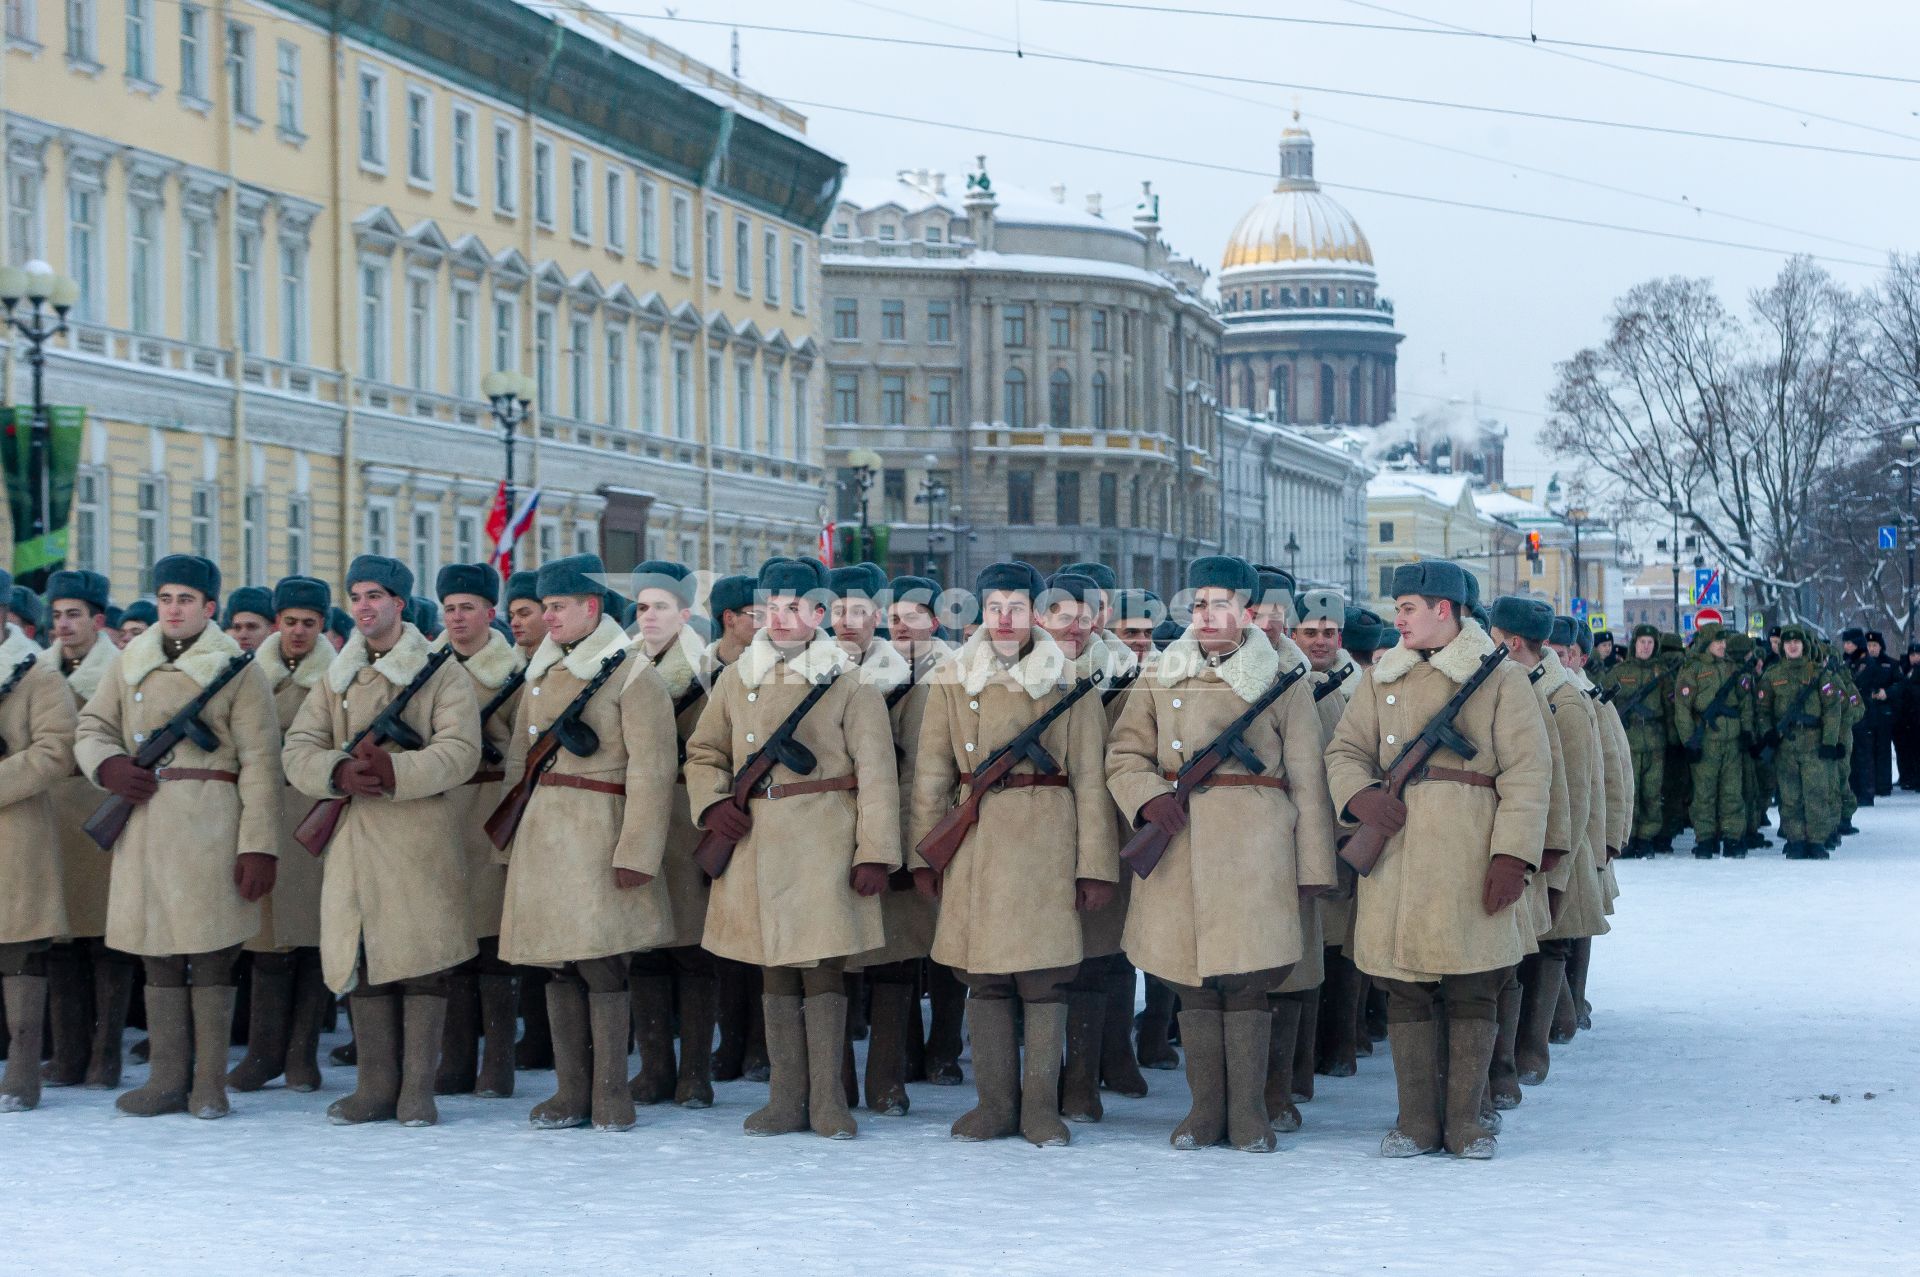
[1501, 298]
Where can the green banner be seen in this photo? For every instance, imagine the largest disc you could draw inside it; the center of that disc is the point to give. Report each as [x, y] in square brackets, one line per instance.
[848, 549]
[35, 558]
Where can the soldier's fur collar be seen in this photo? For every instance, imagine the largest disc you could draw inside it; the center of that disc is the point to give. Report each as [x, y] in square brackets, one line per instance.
[1037, 673]
[936, 651]
[1104, 652]
[1553, 675]
[822, 659]
[882, 668]
[1250, 671]
[1350, 681]
[1122, 657]
[583, 662]
[17, 648]
[493, 664]
[1579, 679]
[1457, 660]
[677, 667]
[309, 671]
[85, 679]
[202, 662]
[399, 667]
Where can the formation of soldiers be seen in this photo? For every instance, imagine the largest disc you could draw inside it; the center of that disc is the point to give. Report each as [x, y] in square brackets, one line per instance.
[621, 825]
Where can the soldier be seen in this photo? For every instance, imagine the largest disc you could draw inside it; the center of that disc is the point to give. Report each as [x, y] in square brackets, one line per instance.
[25, 609]
[1604, 655]
[584, 889]
[1616, 756]
[89, 984]
[1041, 852]
[395, 916]
[1713, 717]
[523, 612]
[742, 1051]
[249, 616]
[138, 617]
[1644, 700]
[339, 627]
[480, 991]
[812, 852]
[1878, 679]
[677, 969]
[1801, 711]
[37, 725]
[1678, 774]
[1135, 613]
[202, 845]
[289, 997]
[1437, 916]
[1222, 918]
[737, 615]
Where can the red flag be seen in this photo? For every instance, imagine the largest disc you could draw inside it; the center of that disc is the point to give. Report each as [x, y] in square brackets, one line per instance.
[497, 519]
[826, 544]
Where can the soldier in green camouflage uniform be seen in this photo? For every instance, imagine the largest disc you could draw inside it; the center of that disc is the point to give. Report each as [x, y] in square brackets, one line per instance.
[1801, 709]
[1642, 693]
[1678, 793]
[1854, 710]
[1713, 717]
[1740, 650]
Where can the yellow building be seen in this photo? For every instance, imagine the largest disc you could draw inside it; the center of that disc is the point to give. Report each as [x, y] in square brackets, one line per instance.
[305, 230]
[1413, 515]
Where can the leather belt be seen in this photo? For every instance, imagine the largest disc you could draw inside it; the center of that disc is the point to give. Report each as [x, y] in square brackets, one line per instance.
[1027, 780]
[1455, 775]
[195, 773]
[1254, 782]
[793, 789]
[614, 787]
[486, 778]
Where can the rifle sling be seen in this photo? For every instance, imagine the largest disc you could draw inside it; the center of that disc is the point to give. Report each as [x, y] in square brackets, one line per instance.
[563, 781]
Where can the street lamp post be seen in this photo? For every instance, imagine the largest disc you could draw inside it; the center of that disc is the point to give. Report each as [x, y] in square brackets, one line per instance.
[932, 492]
[510, 398]
[865, 463]
[43, 290]
[1293, 557]
[1673, 508]
[1910, 443]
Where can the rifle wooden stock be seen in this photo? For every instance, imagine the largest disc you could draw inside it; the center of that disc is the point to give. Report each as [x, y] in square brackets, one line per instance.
[316, 828]
[715, 850]
[942, 842]
[1363, 847]
[505, 820]
[1143, 851]
[108, 822]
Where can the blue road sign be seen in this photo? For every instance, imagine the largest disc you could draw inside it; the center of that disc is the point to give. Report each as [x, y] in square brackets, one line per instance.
[1577, 608]
[1706, 587]
[1889, 537]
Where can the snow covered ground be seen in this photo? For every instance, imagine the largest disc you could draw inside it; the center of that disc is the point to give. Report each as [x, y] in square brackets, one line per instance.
[1716, 1120]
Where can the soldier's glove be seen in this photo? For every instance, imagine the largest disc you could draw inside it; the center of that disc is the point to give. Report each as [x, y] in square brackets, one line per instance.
[629, 879]
[122, 776]
[1165, 811]
[1506, 883]
[1375, 806]
[926, 881]
[378, 763]
[1090, 895]
[1613, 854]
[350, 777]
[1550, 858]
[1832, 753]
[868, 880]
[725, 818]
[254, 873]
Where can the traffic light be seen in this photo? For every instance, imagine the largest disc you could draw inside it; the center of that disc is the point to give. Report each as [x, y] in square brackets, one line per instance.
[1533, 547]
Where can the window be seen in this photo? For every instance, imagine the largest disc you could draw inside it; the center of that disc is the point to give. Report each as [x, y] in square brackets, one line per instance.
[299, 515]
[1066, 498]
[89, 519]
[464, 338]
[799, 289]
[846, 319]
[1015, 398]
[616, 348]
[543, 183]
[1339, 296]
[889, 232]
[743, 406]
[23, 213]
[1019, 496]
[82, 48]
[293, 302]
[893, 321]
[379, 528]
[420, 332]
[83, 249]
[543, 356]
[742, 255]
[579, 385]
[585, 540]
[940, 322]
[716, 397]
[466, 537]
[193, 53]
[286, 90]
[505, 184]
[1386, 535]
[1355, 395]
[253, 535]
[426, 545]
[1326, 394]
[465, 175]
[203, 521]
[802, 443]
[373, 120]
[149, 518]
[373, 321]
[714, 265]
[1266, 299]
[940, 401]
[846, 397]
[1097, 328]
[934, 235]
[1059, 328]
[143, 266]
[1109, 500]
[682, 234]
[1099, 399]
[196, 279]
[770, 263]
[549, 538]
[650, 383]
[616, 210]
[893, 400]
[21, 22]
[649, 244]
[1282, 392]
[139, 40]
[580, 192]
[773, 414]
[1059, 398]
[1133, 507]
[893, 495]
[246, 290]
[240, 71]
[683, 392]
[843, 230]
[506, 334]
[846, 486]
[1013, 326]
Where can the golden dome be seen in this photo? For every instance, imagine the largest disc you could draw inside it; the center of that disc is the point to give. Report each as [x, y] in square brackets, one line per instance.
[1298, 222]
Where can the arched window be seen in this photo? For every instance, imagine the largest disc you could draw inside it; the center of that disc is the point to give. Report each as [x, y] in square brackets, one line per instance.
[1100, 400]
[1340, 297]
[1321, 298]
[1266, 298]
[1059, 398]
[1282, 393]
[1326, 394]
[1286, 297]
[1016, 399]
[1246, 299]
[1355, 399]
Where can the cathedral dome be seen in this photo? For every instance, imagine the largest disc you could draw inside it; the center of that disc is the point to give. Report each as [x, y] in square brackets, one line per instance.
[1298, 223]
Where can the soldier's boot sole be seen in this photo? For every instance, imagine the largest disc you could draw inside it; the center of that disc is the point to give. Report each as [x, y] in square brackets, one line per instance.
[26, 999]
[112, 994]
[1080, 1078]
[426, 1024]
[886, 1076]
[827, 1047]
[1470, 1049]
[693, 1089]
[1416, 1075]
[1540, 979]
[212, 1029]
[785, 1112]
[494, 1080]
[571, 1103]
[653, 1030]
[1503, 1076]
[459, 1068]
[1046, 1032]
[996, 1072]
[69, 1028]
[1277, 1089]
[269, 1023]
[611, 1015]
[376, 1027]
[1119, 1071]
[1201, 1037]
[169, 1030]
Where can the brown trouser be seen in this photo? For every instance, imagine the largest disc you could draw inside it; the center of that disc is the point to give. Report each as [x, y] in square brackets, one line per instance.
[431, 985]
[1242, 991]
[24, 957]
[1467, 997]
[830, 976]
[1036, 987]
[201, 970]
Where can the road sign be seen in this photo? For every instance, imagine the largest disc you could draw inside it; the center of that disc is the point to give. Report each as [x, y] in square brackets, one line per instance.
[1577, 608]
[1707, 616]
[1889, 537]
[1706, 586]
[1597, 622]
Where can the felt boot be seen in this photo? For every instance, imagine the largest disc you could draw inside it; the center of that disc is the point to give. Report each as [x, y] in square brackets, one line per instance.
[1080, 1080]
[1284, 1025]
[1151, 1045]
[212, 1031]
[1206, 1121]
[653, 1030]
[376, 1027]
[611, 1016]
[1540, 979]
[1503, 1077]
[571, 1103]
[694, 1087]
[786, 1108]
[425, 1025]
[69, 1029]
[1469, 1051]
[826, 1032]
[946, 1008]
[996, 1072]
[460, 1044]
[1416, 1075]
[887, 1047]
[26, 998]
[112, 993]
[170, 1056]
[494, 1078]
[1119, 1071]
[1246, 1036]
[1046, 1031]
[269, 1023]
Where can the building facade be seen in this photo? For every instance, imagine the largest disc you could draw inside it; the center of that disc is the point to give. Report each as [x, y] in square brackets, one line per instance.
[1036, 380]
[305, 230]
[1295, 497]
[1413, 515]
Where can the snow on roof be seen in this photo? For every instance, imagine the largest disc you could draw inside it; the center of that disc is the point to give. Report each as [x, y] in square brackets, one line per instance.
[1506, 505]
[1444, 488]
[867, 193]
[1024, 208]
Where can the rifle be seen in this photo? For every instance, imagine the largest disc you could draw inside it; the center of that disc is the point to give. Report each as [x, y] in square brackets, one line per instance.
[566, 730]
[1121, 684]
[1143, 851]
[6, 690]
[1716, 708]
[942, 842]
[1629, 708]
[489, 751]
[109, 820]
[715, 849]
[1334, 679]
[315, 830]
[1363, 848]
[1789, 721]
